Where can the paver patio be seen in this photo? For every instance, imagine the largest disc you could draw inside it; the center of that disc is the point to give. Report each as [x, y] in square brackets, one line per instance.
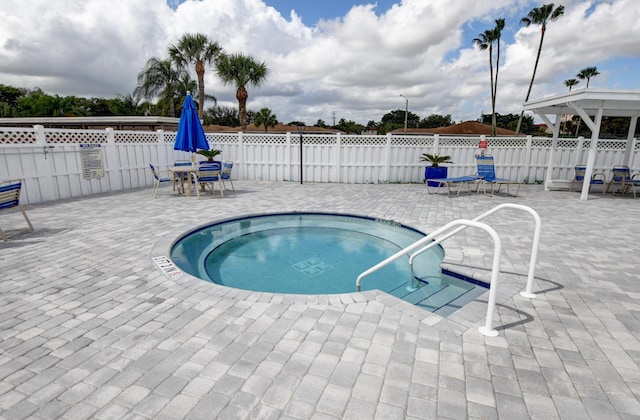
[91, 328]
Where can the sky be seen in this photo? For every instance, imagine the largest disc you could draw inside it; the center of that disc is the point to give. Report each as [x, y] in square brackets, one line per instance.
[328, 59]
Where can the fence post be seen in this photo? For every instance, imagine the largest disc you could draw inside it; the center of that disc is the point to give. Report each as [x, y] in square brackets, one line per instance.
[243, 156]
[527, 160]
[387, 168]
[338, 176]
[111, 161]
[436, 143]
[162, 149]
[47, 181]
[287, 170]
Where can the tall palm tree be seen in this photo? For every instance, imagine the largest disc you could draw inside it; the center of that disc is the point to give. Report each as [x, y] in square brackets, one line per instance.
[497, 33]
[539, 16]
[587, 73]
[241, 70]
[195, 49]
[485, 41]
[571, 83]
[159, 79]
[266, 118]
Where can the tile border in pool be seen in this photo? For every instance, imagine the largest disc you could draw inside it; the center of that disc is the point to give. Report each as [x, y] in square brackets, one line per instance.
[471, 315]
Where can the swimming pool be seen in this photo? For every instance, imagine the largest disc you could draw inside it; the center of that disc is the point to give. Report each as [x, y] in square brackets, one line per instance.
[309, 253]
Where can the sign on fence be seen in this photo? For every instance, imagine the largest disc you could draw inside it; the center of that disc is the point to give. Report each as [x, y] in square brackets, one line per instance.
[92, 162]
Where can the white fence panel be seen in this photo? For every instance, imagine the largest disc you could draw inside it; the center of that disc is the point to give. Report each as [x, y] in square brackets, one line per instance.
[50, 160]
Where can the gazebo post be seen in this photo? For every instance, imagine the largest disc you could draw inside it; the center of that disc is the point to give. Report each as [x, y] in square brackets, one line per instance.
[555, 129]
[591, 157]
[629, 148]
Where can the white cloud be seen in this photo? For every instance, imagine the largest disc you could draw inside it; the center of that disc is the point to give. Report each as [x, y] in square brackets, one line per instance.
[356, 65]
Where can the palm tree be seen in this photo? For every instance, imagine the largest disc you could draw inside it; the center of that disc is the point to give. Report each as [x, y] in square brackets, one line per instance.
[485, 41]
[539, 16]
[497, 32]
[159, 79]
[241, 70]
[588, 73]
[571, 83]
[195, 49]
[266, 118]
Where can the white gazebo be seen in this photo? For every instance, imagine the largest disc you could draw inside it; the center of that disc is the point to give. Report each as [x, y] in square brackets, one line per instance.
[591, 105]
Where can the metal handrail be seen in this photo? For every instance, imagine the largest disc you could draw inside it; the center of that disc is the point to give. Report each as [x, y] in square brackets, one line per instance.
[463, 224]
[495, 268]
[534, 246]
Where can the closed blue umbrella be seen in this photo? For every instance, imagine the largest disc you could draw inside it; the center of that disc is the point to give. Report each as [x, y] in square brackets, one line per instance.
[190, 136]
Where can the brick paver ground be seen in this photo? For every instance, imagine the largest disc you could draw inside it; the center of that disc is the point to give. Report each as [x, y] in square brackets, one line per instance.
[90, 327]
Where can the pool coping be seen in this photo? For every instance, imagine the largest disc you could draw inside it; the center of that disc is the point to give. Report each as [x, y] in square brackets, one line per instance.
[471, 315]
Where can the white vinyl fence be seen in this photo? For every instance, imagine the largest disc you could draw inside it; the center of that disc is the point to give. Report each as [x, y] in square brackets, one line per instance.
[55, 165]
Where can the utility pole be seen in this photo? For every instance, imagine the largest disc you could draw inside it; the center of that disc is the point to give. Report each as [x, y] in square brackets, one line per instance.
[406, 112]
[333, 113]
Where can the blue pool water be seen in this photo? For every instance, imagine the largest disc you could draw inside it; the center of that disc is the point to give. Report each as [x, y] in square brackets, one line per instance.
[309, 253]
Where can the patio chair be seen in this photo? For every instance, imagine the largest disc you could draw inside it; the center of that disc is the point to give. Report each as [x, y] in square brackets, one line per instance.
[620, 175]
[208, 174]
[9, 199]
[487, 171]
[632, 184]
[226, 174]
[180, 177]
[597, 178]
[160, 177]
[459, 181]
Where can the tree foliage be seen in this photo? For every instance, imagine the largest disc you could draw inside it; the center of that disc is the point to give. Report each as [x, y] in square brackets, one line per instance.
[196, 49]
[241, 70]
[435, 121]
[266, 118]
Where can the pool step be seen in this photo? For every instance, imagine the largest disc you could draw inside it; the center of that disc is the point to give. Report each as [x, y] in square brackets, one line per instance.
[442, 299]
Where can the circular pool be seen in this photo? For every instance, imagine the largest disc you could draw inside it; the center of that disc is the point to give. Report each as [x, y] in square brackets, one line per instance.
[303, 253]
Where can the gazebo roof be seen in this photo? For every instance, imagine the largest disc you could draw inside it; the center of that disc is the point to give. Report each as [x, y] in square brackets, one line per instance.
[614, 103]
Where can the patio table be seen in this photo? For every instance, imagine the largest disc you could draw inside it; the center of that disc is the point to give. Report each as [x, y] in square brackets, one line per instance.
[180, 171]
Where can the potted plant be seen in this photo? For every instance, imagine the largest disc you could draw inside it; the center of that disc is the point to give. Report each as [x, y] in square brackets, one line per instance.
[435, 171]
[209, 154]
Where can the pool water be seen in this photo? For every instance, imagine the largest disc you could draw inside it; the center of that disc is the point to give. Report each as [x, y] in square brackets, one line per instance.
[310, 253]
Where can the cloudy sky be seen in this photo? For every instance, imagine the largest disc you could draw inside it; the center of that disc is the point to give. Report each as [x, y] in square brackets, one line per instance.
[327, 59]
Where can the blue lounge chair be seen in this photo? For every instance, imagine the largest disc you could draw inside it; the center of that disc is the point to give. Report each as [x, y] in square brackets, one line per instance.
[459, 181]
[9, 199]
[487, 171]
[597, 178]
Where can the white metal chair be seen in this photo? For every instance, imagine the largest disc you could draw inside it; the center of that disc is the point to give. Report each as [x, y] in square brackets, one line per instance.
[160, 177]
[597, 178]
[208, 174]
[10, 198]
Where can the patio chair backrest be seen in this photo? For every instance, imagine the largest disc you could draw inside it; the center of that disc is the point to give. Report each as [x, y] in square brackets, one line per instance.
[486, 168]
[154, 171]
[227, 166]
[580, 171]
[209, 172]
[620, 173]
[10, 198]
[10, 194]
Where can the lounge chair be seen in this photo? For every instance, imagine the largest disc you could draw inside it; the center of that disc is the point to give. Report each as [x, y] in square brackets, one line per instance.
[160, 177]
[597, 178]
[208, 174]
[9, 199]
[459, 181]
[620, 175]
[226, 174]
[487, 171]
